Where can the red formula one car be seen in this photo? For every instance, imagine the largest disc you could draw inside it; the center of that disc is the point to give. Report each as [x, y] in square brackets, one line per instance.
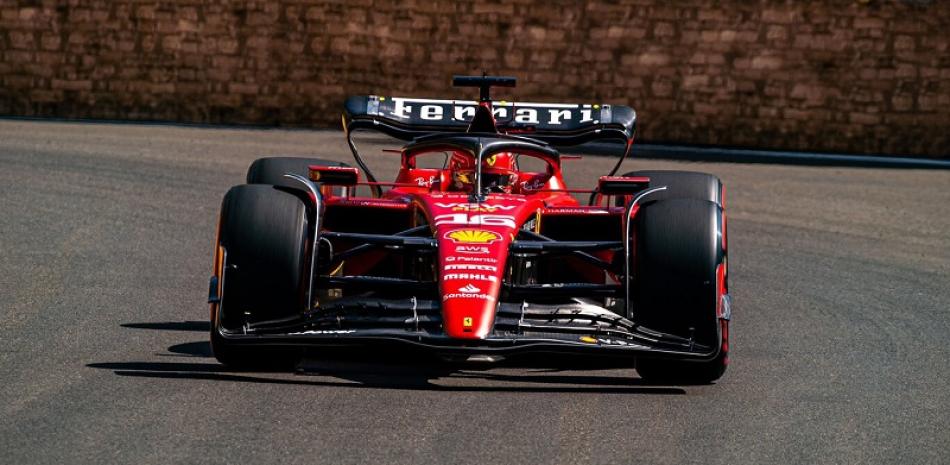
[477, 250]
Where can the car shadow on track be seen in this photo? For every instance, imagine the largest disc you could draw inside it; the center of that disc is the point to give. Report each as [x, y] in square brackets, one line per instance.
[370, 371]
[202, 326]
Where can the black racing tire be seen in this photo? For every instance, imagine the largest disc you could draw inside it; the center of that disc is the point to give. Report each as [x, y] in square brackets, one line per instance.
[677, 252]
[271, 170]
[264, 236]
[682, 185]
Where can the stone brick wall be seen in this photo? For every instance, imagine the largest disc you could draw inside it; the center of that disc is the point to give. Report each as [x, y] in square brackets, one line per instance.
[865, 76]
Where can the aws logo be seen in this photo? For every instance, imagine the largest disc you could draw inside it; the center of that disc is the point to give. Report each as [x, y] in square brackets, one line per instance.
[472, 236]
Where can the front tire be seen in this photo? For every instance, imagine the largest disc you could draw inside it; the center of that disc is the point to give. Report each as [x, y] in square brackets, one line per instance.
[679, 251]
[264, 242]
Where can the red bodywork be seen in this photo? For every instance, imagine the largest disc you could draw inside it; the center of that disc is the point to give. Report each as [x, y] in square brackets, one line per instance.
[486, 254]
[473, 237]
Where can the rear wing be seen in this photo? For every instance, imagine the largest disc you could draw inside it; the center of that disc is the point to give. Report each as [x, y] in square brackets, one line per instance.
[559, 124]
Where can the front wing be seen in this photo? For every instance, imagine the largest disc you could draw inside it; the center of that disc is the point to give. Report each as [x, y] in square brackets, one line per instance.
[576, 328]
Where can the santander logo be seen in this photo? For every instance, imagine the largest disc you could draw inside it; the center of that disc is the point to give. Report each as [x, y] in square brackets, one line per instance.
[468, 291]
[468, 288]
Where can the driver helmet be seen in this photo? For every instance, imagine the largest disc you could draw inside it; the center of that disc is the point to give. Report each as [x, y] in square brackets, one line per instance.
[498, 173]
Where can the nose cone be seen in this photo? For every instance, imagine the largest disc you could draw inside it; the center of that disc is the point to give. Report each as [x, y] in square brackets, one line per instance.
[472, 261]
[473, 246]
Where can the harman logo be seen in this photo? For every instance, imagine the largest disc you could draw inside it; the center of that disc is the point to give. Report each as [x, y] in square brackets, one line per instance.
[468, 288]
[472, 236]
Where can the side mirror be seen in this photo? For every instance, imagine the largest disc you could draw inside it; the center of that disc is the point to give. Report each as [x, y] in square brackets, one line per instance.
[335, 175]
[620, 185]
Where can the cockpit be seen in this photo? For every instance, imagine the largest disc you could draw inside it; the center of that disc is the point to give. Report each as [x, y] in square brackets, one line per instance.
[481, 164]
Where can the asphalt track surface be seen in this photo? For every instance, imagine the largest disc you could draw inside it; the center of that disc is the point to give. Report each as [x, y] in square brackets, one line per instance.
[840, 277]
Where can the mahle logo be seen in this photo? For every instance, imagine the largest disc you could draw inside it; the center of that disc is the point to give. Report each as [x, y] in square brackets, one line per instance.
[472, 236]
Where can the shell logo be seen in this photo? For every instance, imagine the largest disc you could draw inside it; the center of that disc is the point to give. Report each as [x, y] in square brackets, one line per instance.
[472, 236]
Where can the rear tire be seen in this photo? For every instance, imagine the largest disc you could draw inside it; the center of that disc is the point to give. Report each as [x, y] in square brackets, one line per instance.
[678, 249]
[271, 170]
[263, 233]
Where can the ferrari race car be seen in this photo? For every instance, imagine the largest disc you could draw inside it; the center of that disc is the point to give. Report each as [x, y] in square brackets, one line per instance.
[477, 250]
